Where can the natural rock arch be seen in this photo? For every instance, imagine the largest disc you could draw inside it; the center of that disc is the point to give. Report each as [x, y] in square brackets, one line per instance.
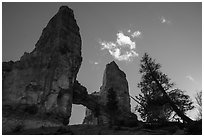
[46, 77]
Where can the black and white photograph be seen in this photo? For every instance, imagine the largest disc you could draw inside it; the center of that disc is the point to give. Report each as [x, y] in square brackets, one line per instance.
[101, 68]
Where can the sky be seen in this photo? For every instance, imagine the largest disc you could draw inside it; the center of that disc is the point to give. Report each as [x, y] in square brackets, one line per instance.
[171, 33]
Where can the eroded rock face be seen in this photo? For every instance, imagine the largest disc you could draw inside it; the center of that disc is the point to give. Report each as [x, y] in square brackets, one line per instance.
[113, 78]
[45, 76]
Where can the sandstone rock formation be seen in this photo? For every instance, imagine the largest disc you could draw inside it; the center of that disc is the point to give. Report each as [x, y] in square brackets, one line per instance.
[45, 76]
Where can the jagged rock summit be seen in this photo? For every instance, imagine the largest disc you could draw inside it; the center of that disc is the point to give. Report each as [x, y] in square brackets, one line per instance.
[45, 76]
[113, 78]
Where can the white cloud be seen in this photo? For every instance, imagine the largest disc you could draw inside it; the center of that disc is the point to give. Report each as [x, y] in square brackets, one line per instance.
[136, 34]
[96, 63]
[93, 62]
[107, 45]
[164, 20]
[190, 78]
[123, 44]
[123, 40]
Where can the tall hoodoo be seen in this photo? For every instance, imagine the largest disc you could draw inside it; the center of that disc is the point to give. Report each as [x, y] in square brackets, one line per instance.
[46, 75]
[114, 78]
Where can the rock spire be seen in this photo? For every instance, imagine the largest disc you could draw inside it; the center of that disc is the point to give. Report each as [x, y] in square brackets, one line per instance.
[45, 76]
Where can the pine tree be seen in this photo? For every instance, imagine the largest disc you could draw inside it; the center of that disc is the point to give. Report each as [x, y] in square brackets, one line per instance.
[158, 101]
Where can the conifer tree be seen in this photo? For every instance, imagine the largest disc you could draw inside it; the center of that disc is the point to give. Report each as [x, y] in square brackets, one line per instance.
[158, 100]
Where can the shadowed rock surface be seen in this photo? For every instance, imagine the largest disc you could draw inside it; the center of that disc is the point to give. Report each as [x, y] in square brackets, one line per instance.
[45, 76]
[42, 85]
[114, 78]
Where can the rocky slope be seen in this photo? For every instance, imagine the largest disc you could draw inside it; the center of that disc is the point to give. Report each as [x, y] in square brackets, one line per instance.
[45, 76]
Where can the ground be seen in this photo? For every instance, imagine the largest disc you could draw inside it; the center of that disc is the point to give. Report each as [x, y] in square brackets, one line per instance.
[98, 130]
[16, 122]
